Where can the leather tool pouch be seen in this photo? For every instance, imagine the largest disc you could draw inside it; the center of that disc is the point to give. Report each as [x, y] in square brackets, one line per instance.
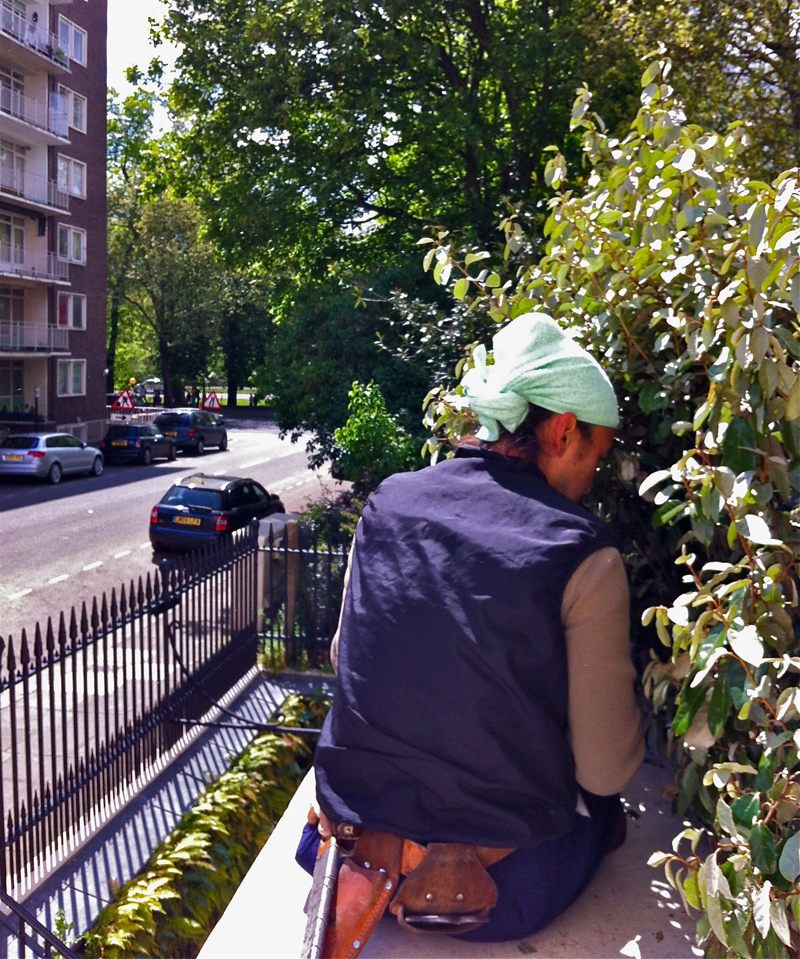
[366, 883]
[449, 891]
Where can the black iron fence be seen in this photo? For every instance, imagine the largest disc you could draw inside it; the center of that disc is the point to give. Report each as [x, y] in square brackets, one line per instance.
[302, 581]
[89, 701]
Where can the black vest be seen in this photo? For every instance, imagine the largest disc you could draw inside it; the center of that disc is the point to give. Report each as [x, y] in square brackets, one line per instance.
[449, 720]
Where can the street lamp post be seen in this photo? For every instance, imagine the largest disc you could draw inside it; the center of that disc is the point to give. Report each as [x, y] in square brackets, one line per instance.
[37, 392]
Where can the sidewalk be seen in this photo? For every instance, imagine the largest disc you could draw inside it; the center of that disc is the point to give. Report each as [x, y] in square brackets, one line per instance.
[119, 850]
[627, 910]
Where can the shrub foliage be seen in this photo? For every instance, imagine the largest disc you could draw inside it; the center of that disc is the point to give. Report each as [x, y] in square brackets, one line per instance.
[168, 910]
[682, 274]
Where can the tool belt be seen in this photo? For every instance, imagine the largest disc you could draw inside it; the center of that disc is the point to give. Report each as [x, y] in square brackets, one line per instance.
[446, 889]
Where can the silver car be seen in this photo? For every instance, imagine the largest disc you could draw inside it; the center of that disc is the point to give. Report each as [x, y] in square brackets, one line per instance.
[48, 456]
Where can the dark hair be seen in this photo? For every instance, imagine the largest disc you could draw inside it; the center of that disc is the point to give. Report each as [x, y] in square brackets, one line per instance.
[525, 437]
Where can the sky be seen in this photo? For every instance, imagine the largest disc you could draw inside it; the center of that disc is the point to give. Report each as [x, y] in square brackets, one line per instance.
[128, 38]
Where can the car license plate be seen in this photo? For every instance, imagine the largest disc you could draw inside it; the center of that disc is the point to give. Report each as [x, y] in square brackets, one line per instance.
[170, 433]
[119, 442]
[13, 458]
[187, 520]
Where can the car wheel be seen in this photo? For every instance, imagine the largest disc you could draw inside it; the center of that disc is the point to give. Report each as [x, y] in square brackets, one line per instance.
[54, 476]
[98, 466]
[147, 456]
[171, 454]
[200, 448]
[223, 443]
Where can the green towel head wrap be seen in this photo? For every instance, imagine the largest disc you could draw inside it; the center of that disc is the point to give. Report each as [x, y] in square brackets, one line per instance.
[535, 361]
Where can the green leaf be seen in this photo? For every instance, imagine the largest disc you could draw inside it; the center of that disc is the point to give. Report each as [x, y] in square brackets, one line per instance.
[653, 480]
[746, 644]
[761, 915]
[460, 288]
[745, 809]
[690, 701]
[714, 912]
[789, 862]
[471, 258]
[755, 529]
[762, 849]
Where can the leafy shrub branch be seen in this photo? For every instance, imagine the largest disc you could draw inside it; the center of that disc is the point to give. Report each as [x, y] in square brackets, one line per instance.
[682, 274]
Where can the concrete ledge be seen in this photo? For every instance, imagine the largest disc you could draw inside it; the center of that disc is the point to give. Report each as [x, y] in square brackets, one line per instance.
[628, 909]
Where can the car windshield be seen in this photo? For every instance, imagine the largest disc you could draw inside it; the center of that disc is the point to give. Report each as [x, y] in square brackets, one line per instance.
[192, 496]
[20, 443]
[120, 431]
[172, 419]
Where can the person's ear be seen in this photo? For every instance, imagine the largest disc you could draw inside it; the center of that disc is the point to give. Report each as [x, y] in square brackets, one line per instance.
[560, 430]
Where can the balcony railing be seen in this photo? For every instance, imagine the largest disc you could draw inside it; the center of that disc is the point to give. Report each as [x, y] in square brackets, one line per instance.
[51, 117]
[35, 266]
[31, 35]
[23, 337]
[32, 187]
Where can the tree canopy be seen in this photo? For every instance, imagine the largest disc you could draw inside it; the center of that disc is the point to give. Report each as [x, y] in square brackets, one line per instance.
[327, 126]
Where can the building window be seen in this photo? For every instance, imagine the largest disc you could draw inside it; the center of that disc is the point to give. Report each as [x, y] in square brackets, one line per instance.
[71, 244]
[72, 40]
[71, 377]
[12, 378]
[12, 167]
[12, 239]
[12, 304]
[71, 176]
[12, 92]
[75, 108]
[72, 311]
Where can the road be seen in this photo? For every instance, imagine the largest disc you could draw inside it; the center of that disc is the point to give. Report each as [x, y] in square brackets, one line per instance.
[63, 545]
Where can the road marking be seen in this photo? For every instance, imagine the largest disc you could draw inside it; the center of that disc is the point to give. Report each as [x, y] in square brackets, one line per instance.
[22, 592]
[269, 459]
[92, 566]
[144, 545]
[58, 579]
[123, 554]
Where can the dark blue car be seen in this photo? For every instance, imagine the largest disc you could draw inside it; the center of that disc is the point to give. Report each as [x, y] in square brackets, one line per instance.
[136, 442]
[200, 509]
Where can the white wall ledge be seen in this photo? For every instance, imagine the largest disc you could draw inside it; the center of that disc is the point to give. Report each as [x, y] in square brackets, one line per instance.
[627, 910]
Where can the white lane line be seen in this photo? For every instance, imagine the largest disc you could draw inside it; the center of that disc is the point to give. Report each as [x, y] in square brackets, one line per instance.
[91, 566]
[144, 545]
[123, 554]
[22, 592]
[58, 579]
[269, 459]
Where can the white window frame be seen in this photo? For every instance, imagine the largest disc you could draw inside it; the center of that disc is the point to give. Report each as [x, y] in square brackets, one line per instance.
[71, 176]
[73, 39]
[73, 249]
[75, 306]
[74, 378]
[72, 99]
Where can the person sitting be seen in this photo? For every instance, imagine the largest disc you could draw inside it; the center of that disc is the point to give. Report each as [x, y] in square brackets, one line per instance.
[484, 719]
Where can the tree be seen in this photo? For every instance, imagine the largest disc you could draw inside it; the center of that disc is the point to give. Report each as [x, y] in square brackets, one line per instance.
[244, 327]
[734, 59]
[683, 274]
[129, 147]
[324, 125]
[320, 342]
[371, 444]
[174, 287]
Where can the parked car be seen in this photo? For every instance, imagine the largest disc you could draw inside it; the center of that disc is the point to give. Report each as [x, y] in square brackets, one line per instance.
[199, 509]
[193, 429]
[140, 442]
[48, 456]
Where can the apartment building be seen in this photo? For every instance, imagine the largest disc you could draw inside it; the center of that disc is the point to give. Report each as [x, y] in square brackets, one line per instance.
[53, 214]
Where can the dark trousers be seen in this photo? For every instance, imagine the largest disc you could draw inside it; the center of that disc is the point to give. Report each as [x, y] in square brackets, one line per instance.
[534, 885]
